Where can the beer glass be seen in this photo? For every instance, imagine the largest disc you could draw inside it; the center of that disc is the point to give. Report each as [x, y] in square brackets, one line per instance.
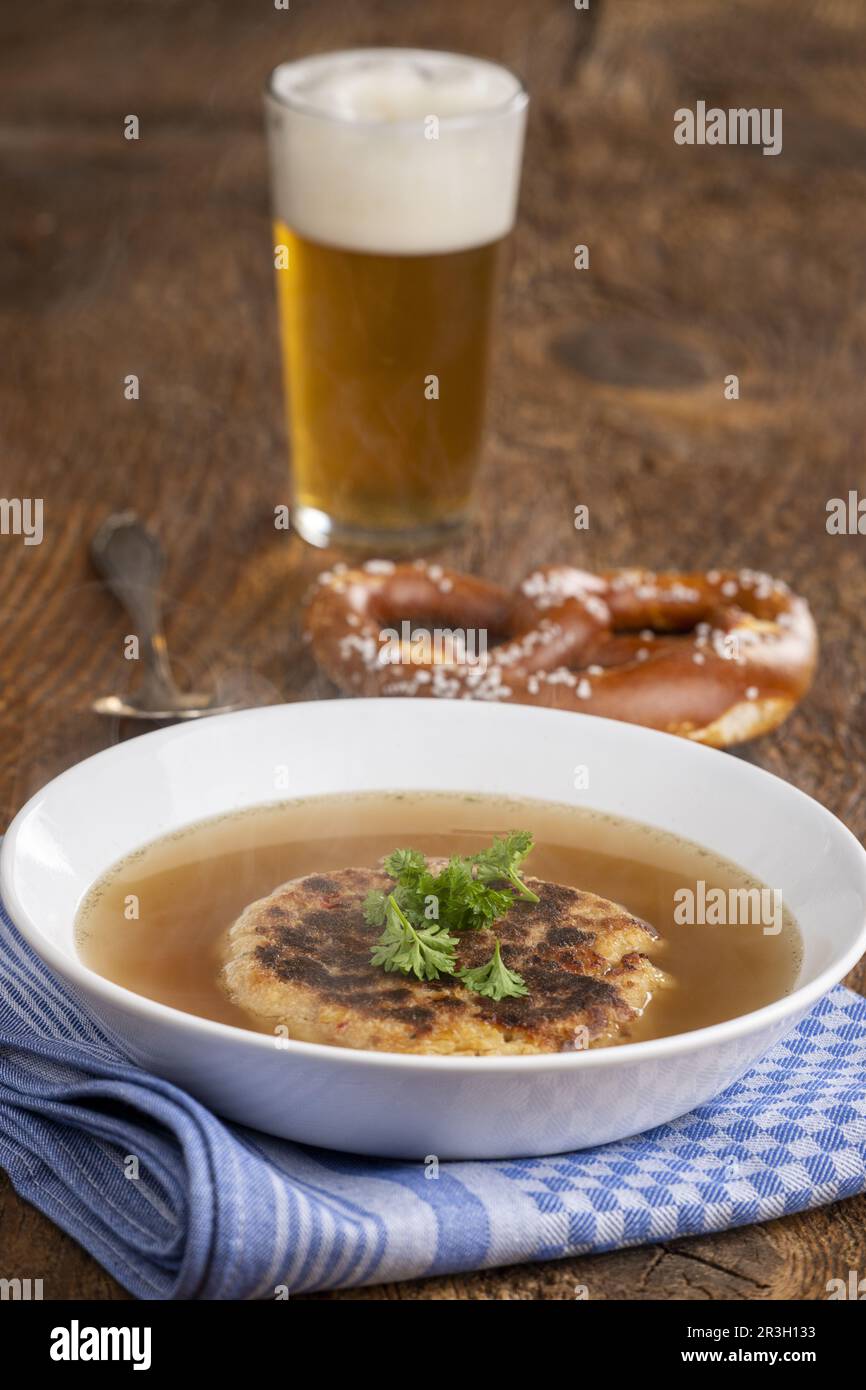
[395, 178]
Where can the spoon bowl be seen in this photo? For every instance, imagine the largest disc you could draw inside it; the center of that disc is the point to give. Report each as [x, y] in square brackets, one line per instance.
[130, 560]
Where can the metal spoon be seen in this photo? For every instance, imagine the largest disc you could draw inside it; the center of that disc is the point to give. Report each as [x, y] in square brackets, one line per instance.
[130, 560]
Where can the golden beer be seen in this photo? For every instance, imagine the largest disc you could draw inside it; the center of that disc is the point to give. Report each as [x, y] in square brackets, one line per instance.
[387, 237]
[386, 365]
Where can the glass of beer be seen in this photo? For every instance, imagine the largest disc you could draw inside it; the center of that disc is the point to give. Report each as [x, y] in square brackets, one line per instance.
[395, 179]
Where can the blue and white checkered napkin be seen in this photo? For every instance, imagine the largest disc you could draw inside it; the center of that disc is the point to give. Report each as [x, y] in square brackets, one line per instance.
[220, 1212]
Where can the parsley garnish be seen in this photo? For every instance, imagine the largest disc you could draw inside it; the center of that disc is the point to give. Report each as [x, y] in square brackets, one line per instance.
[494, 980]
[503, 859]
[423, 909]
[427, 952]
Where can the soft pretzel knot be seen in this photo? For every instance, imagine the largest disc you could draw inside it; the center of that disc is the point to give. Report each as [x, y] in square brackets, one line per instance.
[718, 657]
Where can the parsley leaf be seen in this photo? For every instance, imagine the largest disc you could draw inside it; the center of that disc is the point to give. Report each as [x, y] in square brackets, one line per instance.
[494, 980]
[405, 864]
[463, 901]
[427, 952]
[375, 907]
[503, 860]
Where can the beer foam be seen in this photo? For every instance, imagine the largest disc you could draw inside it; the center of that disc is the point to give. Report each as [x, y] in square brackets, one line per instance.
[398, 151]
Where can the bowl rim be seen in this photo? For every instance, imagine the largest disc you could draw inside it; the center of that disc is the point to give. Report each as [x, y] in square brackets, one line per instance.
[71, 970]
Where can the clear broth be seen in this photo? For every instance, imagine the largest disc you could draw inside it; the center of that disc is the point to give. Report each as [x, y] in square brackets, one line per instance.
[193, 884]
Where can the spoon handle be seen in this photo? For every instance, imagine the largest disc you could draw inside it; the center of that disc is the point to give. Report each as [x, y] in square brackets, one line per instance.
[129, 558]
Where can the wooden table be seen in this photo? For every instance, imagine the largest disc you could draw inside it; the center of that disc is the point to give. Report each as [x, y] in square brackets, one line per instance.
[154, 257]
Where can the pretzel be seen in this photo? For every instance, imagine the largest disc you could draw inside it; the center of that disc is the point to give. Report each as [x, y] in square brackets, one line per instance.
[719, 657]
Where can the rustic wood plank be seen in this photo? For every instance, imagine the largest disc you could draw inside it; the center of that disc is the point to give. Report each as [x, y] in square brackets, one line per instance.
[154, 258]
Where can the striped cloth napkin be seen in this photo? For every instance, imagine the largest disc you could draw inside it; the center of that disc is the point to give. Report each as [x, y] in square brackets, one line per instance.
[176, 1203]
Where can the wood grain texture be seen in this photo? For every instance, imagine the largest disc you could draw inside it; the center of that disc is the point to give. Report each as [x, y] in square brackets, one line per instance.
[154, 258]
